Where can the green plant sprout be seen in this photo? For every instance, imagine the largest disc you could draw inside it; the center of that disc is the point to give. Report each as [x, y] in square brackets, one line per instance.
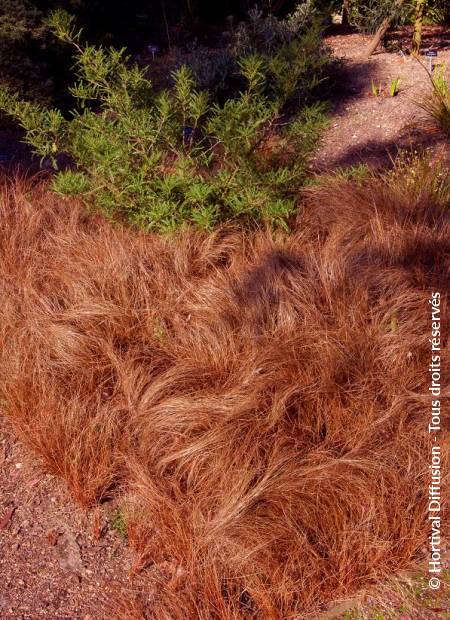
[394, 87]
[376, 89]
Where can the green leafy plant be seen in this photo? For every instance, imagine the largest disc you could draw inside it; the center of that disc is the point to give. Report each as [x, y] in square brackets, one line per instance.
[118, 523]
[394, 87]
[367, 15]
[265, 33]
[358, 173]
[438, 12]
[213, 69]
[292, 49]
[162, 159]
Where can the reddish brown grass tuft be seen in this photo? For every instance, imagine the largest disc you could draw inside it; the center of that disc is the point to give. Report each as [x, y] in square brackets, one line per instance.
[259, 402]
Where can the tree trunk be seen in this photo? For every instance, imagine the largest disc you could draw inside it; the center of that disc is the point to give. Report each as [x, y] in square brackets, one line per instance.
[345, 13]
[381, 32]
[421, 5]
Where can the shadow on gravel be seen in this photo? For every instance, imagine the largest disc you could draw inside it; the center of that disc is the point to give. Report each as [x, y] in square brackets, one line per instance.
[381, 153]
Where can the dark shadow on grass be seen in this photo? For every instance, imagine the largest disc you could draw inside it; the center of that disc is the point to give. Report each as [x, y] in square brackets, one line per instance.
[422, 262]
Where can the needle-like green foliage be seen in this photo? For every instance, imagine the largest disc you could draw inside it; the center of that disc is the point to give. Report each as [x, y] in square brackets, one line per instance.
[161, 159]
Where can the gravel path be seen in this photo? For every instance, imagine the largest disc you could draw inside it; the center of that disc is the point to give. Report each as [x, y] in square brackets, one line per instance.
[370, 129]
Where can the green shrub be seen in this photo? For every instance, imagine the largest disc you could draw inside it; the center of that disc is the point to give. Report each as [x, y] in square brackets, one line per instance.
[367, 15]
[162, 159]
[438, 12]
[213, 69]
[263, 34]
[292, 49]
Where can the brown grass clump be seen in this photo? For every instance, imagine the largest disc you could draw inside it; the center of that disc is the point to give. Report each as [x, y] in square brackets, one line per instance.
[260, 403]
[436, 103]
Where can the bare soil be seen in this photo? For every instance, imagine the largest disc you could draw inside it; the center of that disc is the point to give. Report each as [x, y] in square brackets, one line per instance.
[371, 129]
[56, 562]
